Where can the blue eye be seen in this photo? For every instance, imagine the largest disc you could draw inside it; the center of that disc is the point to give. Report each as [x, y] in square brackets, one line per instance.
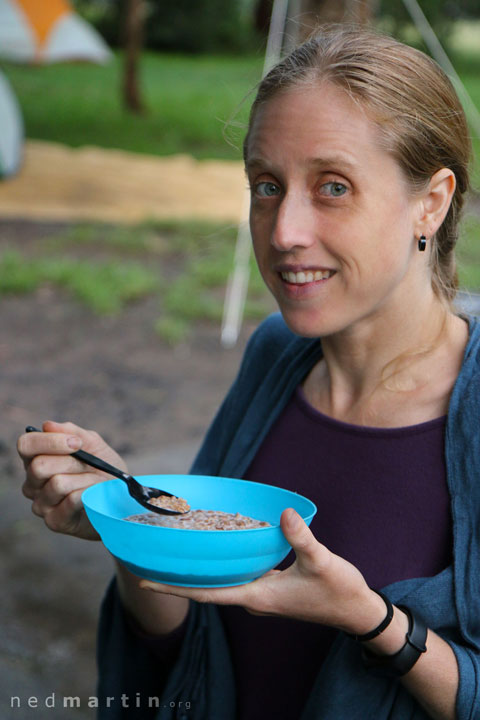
[335, 189]
[267, 189]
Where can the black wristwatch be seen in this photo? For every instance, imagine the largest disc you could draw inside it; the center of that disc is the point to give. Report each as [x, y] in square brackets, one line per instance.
[394, 666]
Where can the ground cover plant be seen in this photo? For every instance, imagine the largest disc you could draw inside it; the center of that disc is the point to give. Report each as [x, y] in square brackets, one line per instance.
[183, 264]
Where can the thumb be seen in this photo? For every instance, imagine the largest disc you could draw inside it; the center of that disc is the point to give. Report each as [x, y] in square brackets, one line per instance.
[298, 534]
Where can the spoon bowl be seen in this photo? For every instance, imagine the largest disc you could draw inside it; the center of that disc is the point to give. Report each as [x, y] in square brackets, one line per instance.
[167, 503]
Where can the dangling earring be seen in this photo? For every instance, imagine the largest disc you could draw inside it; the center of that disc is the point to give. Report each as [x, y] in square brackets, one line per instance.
[422, 243]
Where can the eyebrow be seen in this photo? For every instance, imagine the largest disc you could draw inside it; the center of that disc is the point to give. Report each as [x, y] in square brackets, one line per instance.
[331, 160]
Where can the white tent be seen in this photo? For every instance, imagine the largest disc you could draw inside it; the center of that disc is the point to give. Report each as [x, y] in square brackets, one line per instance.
[46, 31]
[11, 130]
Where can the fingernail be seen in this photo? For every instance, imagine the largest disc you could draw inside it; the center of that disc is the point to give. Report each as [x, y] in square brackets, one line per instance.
[293, 520]
[74, 442]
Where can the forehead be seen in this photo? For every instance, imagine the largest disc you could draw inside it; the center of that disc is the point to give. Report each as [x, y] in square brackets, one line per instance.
[313, 123]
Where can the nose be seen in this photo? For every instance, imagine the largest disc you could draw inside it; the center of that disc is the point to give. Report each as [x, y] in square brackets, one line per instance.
[295, 223]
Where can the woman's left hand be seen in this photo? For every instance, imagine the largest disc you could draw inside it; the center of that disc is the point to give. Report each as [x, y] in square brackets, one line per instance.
[318, 587]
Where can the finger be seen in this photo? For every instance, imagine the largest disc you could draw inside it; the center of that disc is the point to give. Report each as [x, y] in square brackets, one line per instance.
[259, 613]
[47, 443]
[42, 467]
[68, 516]
[237, 595]
[60, 486]
[91, 440]
[67, 428]
[301, 538]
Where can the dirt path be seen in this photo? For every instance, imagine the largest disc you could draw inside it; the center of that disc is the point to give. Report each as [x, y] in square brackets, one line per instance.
[151, 401]
[61, 183]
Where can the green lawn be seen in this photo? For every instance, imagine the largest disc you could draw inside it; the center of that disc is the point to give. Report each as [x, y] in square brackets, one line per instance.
[188, 100]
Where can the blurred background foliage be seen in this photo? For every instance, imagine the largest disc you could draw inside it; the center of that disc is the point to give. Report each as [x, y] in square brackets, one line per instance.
[195, 67]
[441, 14]
[237, 26]
[190, 26]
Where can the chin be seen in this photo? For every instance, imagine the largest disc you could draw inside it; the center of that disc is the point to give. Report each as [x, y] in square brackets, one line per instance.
[310, 324]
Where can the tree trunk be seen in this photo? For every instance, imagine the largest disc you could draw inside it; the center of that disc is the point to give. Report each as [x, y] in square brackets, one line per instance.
[133, 46]
[312, 13]
[262, 15]
[361, 11]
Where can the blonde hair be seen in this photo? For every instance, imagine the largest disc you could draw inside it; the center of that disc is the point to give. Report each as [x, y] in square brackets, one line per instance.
[413, 103]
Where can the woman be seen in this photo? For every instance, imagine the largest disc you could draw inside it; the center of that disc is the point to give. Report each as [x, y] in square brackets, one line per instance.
[361, 396]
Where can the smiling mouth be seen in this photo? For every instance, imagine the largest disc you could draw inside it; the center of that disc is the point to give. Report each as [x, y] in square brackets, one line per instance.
[308, 276]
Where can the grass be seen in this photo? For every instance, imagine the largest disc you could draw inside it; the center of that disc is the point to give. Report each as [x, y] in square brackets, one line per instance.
[188, 100]
[183, 264]
[465, 56]
[468, 255]
[103, 287]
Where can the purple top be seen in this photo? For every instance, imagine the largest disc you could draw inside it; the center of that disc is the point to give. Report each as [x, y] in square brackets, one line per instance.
[383, 504]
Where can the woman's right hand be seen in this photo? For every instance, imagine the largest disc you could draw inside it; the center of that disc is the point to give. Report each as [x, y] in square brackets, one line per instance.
[55, 480]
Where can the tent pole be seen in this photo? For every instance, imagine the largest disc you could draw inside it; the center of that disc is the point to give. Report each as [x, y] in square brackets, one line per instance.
[237, 285]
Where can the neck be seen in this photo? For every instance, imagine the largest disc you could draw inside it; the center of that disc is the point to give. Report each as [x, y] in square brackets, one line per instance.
[365, 365]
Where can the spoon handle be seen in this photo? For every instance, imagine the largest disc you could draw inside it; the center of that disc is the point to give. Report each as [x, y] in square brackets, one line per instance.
[100, 464]
[92, 460]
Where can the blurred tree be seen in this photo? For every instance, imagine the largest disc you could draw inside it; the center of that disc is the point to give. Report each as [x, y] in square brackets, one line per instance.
[262, 15]
[305, 15]
[105, 15]
[197, 26]
[441, 15]
[134, 21]
[235, 25]
[193, 26]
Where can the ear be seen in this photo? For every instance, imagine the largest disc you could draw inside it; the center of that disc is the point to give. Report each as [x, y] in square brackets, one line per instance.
[436, 201]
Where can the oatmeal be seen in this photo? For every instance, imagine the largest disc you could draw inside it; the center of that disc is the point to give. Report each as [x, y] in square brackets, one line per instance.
[201, 520]
[176, 504]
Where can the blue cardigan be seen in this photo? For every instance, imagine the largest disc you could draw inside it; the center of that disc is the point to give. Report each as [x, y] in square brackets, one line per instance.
[274, 363]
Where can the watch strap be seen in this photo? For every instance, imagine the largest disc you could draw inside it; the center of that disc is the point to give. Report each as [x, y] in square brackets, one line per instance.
[402, 661]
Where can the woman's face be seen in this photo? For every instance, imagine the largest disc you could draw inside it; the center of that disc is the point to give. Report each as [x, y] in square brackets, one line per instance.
[332, 221]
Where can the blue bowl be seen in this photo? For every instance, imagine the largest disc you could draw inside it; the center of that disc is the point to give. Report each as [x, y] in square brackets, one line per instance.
[196, 558]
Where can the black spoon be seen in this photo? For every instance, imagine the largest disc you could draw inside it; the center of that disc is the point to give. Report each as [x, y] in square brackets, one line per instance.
[140, 493]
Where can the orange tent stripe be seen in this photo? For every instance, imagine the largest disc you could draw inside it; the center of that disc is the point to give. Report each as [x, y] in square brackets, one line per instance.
[42, 14]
